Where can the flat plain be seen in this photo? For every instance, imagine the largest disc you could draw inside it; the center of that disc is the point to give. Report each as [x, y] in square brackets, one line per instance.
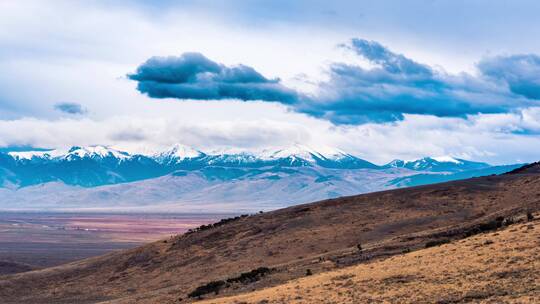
[37, 240]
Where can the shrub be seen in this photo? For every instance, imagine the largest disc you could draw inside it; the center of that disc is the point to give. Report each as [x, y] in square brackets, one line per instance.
[308, 272]
[213, 286]
[509, 221]
[244, 278]
[214, 225]
[530, 216]
[250, 276]
[486, 227]
[436, 243]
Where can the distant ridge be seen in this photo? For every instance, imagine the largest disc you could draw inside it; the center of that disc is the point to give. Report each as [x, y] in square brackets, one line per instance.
[532, 168]
[438, 164]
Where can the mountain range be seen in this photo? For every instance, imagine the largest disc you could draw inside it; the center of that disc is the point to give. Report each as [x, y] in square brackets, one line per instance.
[186, 179]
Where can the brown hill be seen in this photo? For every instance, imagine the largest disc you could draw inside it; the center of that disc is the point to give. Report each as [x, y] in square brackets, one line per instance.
[496, 267]
[268, 249]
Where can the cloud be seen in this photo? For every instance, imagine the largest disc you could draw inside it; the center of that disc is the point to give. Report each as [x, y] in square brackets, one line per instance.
[193, 76]
[391, 87]
[494, 138]
[389, 61]
[396, 85]
[70, 108]
[521, 73]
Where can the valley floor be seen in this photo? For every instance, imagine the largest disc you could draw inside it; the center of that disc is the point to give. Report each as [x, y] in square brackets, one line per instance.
[36, 240]
[499, 267]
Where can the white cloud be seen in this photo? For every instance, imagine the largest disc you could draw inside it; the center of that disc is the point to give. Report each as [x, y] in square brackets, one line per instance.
[485, 137]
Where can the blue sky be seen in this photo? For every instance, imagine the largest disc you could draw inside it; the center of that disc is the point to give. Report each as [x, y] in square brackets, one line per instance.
[381, 80]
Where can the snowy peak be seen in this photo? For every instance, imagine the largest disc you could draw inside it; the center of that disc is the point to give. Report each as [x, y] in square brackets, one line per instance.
[396, 163]
[437, 164]
[326, 157]
[94, 152]
[74, 153]
[305, 153]
[28, 155]
[178, 153]
[184, 157]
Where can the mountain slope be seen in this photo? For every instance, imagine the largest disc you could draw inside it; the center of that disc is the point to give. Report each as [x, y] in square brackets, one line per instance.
[98, 165]
[319, 236]
[216, 188]
[183, 179]
[480, 269]
[430, 178]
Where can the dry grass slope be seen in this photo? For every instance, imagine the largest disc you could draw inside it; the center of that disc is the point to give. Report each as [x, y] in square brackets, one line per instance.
[498, 267]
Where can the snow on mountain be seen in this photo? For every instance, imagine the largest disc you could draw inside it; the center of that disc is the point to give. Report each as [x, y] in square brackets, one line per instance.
[177, 153]
[27, 155]
[71, 154]
[295, 154]
[95, 152]
[191, 180]
[100, 165]
[303, 152]
[396, 163]
[240, 158]
[437, 164]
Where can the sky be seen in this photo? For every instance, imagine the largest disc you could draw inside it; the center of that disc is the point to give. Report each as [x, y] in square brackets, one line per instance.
[381, 80]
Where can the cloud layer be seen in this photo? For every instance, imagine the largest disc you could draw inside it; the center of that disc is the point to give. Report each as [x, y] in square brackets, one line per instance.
[392, 86]
[494, 138]
[395, 85]
[193, 76]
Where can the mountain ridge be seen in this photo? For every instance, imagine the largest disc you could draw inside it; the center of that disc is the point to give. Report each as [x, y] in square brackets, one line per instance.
[183, 179]
[100, 165]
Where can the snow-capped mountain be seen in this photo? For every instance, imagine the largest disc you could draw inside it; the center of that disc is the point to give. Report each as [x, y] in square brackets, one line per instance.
[438, 164]
[177, 154]
[100, 165]
[184, 178]
[325, 157]
[298, 151]
[75, 153]
[81, 166]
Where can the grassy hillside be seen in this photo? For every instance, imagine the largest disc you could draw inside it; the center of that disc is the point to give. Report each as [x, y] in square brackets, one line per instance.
[497, 267]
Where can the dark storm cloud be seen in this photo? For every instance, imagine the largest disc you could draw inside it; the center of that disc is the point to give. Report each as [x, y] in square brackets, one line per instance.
[193, 76]
[397, 85]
